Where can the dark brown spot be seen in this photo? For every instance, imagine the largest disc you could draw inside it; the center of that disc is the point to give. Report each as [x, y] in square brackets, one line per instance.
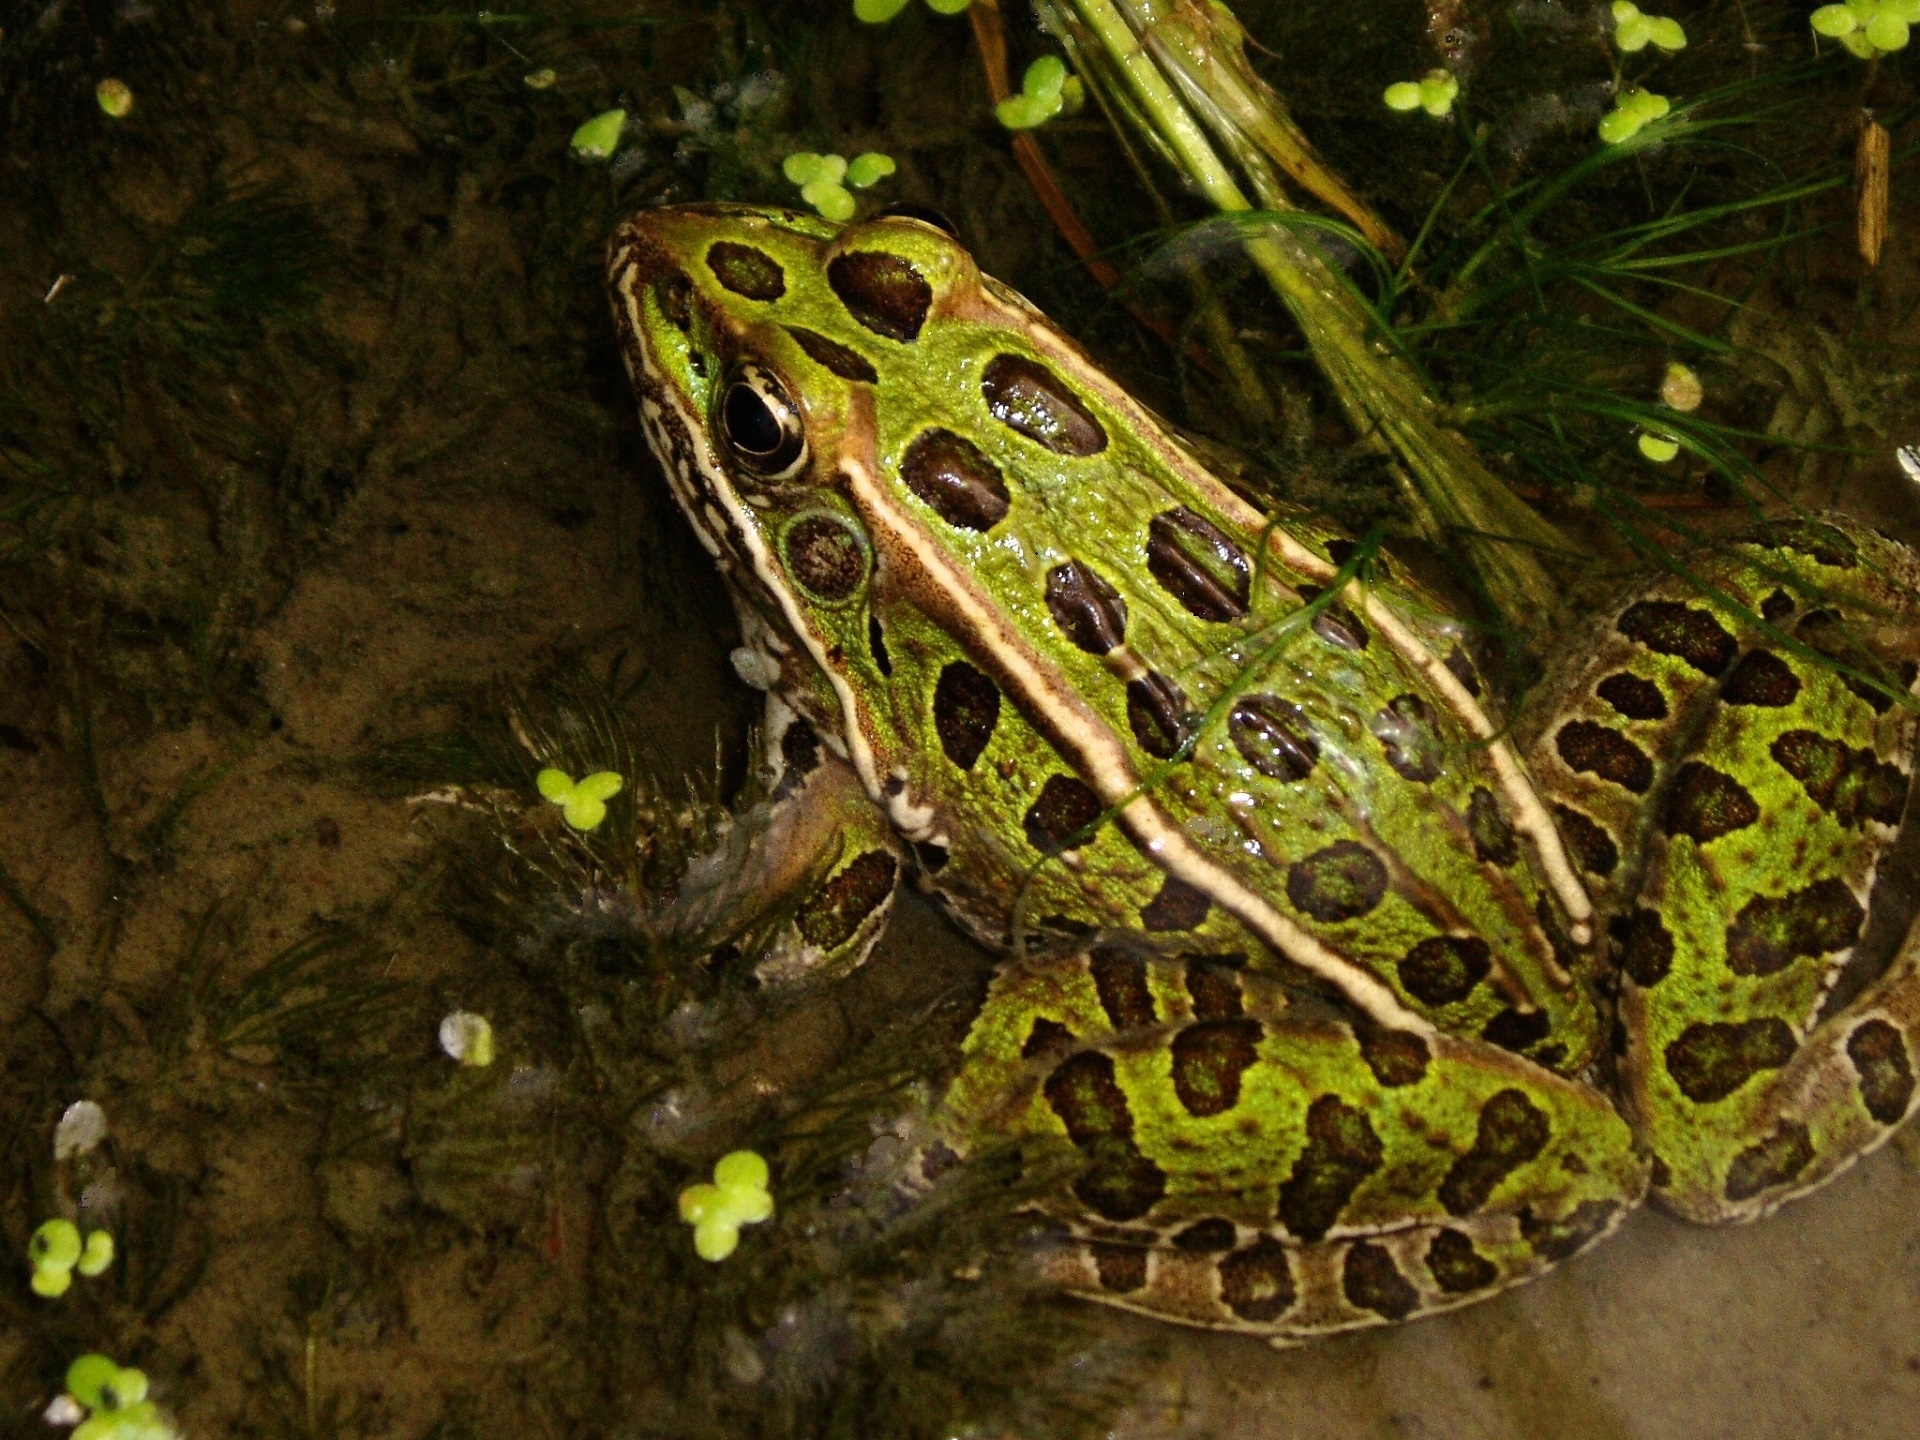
[835, 914]
[1335, 624]
[1208, 1060]
[933, 857]
[1371, 1281]
[1776, 1160]
[1121, 981]
[1405, 729]
[1087, 609]
[746, 271]
[1633, 697]
[1444, 968]
[1682, 631]
[881, 291]
[1642, 947]
[1157, 714]
[1512, 1131]
[1711, 1060]
[937, 1159]
[1776, 607]
[1122, 1268]
[1213, 988]
[956, 479]
[1207, 1237]
[1879, 1056]
[1822, 543]
[1396, 1057]
[1828, 634]
[799, 752]
[1555, 1240]
[1342, 1150]
[1027, 397]
[1461, 667]
[1271, 736]
[842, 360]
[1341, 882]
[1047, 1040]
[1594, 749]
[1256, 1282]
[1706, 803]
[825, 556]
[1592, 846]
[1455, 1265]
[1770, 933]
[1198, 565]
[1178, 906]
[1375, 566]
[1517, 1030]
[1118, 1183]
[1066, 807]
[675, 292]
[1761, 678]
[966, 707]
[1854, 786]
[1493, 837]
[1900, 680]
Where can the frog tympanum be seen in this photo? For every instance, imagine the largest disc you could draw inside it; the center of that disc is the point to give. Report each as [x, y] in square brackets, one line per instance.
[1361, 1005]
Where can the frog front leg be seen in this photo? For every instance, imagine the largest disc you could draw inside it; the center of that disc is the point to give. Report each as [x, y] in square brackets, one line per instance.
[1264, 1164]
[824, 858]
[1736, 795]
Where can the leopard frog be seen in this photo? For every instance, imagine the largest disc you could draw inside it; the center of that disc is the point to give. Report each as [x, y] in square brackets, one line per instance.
[1357, 1003]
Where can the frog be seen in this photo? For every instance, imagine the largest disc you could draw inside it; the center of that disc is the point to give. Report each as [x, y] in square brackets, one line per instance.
[1354, 999]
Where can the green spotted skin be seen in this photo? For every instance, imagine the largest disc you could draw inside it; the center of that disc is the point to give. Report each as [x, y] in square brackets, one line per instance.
[1733, 796]
[1314, 963]
[1261, 1162]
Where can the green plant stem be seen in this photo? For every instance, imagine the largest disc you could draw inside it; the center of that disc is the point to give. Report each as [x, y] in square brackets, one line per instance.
[1455, 499]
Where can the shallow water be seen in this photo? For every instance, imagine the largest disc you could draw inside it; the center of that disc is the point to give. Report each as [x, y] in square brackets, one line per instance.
[283, 521]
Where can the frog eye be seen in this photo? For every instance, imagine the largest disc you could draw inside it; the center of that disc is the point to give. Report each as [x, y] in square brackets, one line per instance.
[761, 425]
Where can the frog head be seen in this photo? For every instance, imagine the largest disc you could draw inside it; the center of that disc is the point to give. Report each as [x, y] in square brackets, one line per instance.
[791, 375]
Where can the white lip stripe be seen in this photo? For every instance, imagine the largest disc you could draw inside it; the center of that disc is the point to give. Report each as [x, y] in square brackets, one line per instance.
[1530, 815]
[1104, 765]
[721, 490]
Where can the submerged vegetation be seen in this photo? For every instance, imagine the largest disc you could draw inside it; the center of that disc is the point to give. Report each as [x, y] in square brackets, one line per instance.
[312, 430]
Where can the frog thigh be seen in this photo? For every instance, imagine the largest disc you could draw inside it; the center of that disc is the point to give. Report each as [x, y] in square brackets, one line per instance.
[1742, 795]
[1843, 1093]
[827, 855]
[1260, 1164]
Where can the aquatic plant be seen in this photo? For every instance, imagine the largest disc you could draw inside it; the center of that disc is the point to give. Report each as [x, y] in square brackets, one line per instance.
[597, 138]
[113, 1399]
[1434, 93]
[738, 1196]
[57, 1253]
[821, 177]
[1047, 89]
[584, 801]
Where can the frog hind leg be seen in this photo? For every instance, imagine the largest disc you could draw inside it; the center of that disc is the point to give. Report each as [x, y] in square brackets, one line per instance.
[1255, 1161]
[1733, 796]
[820, 858]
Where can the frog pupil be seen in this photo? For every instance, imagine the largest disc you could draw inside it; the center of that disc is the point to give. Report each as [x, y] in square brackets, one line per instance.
[751, 424]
